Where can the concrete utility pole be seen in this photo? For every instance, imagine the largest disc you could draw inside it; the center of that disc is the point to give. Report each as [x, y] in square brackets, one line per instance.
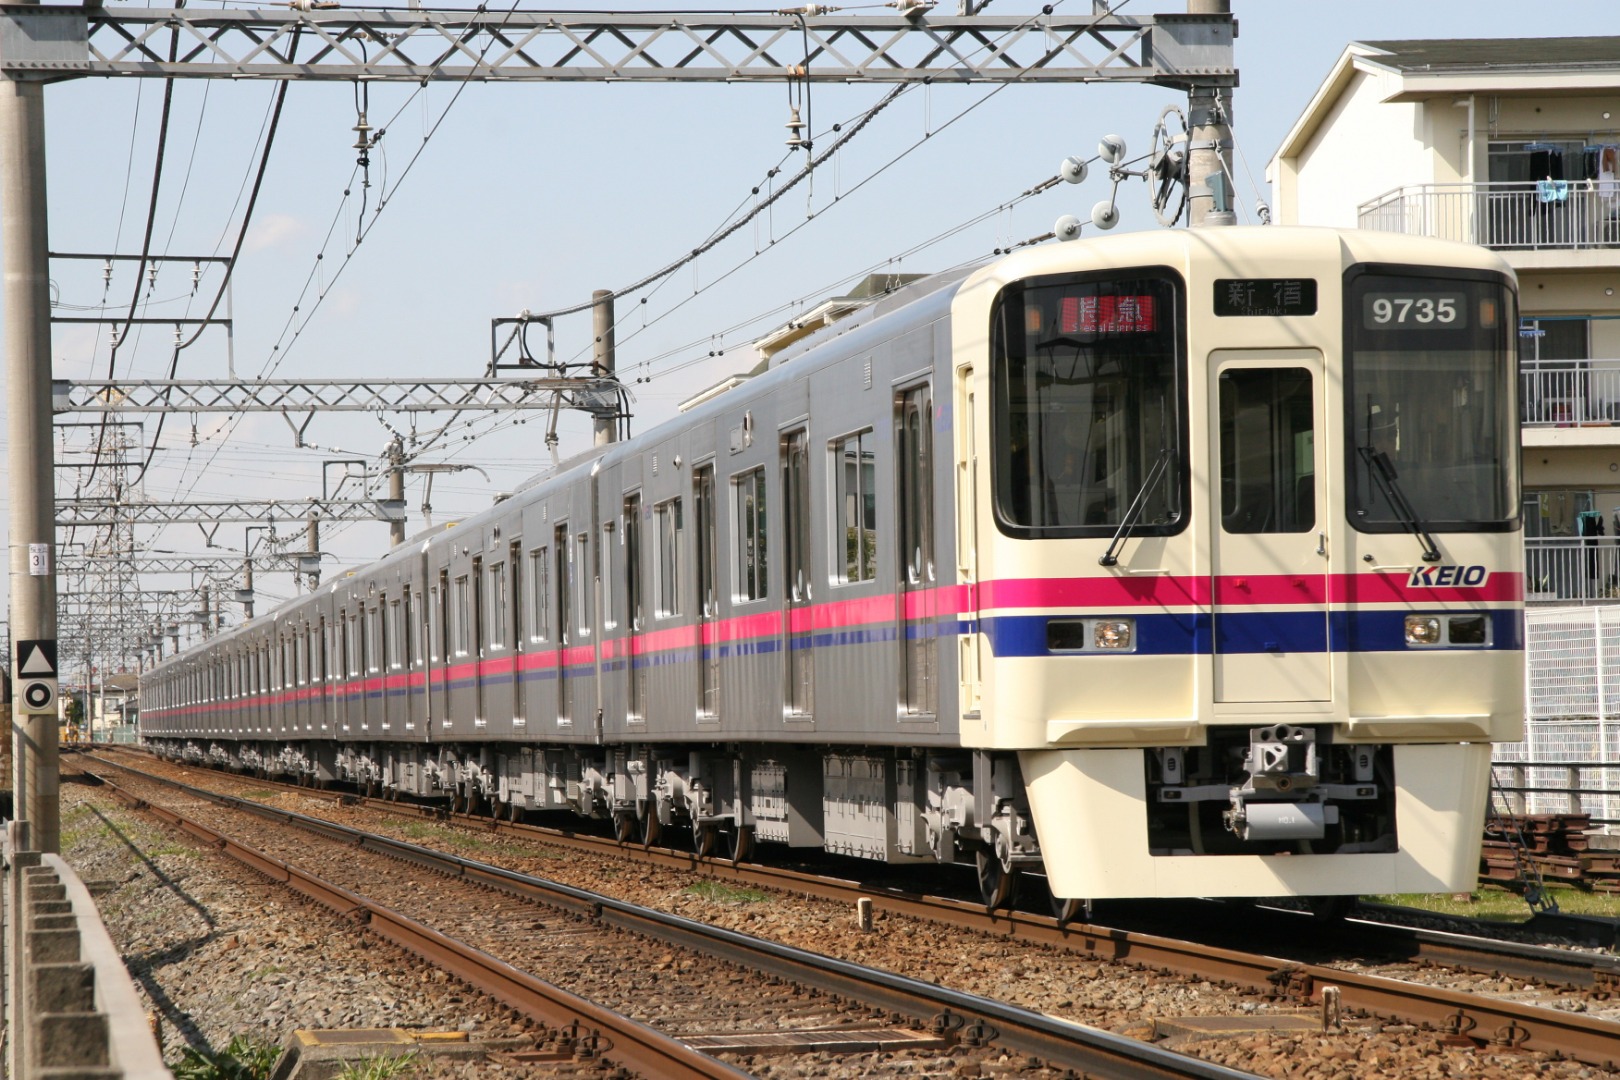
[603, 359]
[396, 488]
[312, 544]
[27, 311]
[1209, 142]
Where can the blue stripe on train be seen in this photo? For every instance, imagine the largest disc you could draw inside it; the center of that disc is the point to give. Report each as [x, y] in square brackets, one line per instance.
[1246, 632]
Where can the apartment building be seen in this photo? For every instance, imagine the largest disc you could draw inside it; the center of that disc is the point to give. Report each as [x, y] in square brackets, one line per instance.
[1513, 144]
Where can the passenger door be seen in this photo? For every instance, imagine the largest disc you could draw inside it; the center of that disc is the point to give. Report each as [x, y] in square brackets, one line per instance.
[1269, 529]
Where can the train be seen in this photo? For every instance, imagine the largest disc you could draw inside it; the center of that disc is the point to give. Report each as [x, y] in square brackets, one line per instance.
[1169, 564]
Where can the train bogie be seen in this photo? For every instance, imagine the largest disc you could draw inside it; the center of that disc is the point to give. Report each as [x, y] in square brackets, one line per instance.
[1182, 563]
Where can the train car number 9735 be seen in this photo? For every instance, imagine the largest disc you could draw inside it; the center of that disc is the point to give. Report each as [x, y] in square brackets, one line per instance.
[1402, 311]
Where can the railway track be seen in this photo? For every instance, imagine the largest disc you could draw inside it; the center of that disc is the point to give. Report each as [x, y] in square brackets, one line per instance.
[764, 998]
[1459, 1019]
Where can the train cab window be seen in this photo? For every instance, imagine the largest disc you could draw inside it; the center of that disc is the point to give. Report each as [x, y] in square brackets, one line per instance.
[1268, 450]
[668, 526]
[1088, 399]
[1430, 400]
[854, 477]
[748, 495]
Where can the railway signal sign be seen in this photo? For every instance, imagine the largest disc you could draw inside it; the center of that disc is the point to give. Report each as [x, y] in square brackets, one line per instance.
[36, 676]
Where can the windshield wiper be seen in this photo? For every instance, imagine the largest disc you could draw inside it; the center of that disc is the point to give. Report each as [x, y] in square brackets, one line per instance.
[1383, 473]
[1135, 511]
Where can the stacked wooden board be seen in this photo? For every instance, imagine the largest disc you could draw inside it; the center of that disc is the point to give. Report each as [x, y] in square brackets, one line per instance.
[1557, 846]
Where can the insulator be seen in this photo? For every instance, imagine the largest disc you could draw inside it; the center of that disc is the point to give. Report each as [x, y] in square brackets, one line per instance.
[795, 128]
[362, 131]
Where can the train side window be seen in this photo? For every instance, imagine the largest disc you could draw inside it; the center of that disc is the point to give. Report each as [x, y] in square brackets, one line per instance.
[632, 562]
[496, 608]
[667, 524]
[539, 601]
[854, 519]
[395, 636]
[515, 558]
[582, 579]
[610, 616]
[748, 495]
[408, 631]
[461, 617]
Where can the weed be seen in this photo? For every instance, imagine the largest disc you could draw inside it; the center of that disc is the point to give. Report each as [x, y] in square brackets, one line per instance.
[721, 893]
[1496, 905]
[378, 1066]
[246, 1058]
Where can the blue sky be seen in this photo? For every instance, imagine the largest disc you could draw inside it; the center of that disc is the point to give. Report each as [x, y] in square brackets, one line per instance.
[532, 196]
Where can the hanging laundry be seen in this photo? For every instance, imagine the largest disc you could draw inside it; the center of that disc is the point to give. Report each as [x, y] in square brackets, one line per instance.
[1608, 188]
[1552, 191]
[1546, 161]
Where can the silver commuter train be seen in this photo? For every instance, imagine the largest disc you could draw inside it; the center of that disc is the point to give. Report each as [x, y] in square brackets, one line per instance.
[1180, 563]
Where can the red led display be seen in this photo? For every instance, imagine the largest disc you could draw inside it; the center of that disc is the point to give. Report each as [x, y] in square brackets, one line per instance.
[1106, 315]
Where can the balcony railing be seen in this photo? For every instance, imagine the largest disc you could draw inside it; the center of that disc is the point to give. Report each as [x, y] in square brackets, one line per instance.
[1572, 569]
[1530, 216]
[1569, 393]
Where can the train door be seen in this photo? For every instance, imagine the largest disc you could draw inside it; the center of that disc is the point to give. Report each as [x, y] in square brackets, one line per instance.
[917, 599]
[967, 543]
[564, 622]
[515, 631]
[634, 618]
[799, 655]
[1269, 542]
[375, 678]
[708, 595]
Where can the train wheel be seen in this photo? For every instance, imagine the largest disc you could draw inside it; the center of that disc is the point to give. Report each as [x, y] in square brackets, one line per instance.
[514, 812]
[652, 830]
[624, 827]
[1066, 911]
[998, 885]
[741, 843]
[704, 840]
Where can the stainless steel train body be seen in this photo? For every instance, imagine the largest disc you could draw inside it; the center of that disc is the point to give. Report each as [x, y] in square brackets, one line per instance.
[1177, 563]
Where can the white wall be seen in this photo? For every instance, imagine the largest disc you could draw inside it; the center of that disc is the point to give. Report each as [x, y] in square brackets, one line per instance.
[1362, 149]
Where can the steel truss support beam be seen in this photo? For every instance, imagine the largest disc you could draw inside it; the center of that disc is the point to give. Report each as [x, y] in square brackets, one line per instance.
[418, 46]
[329, 395]
[87, 512]
[223, 564]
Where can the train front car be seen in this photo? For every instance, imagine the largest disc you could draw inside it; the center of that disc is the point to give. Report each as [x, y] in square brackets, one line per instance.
[1241, 539]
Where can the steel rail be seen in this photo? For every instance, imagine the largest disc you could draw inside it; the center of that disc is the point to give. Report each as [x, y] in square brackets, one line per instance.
[973, 1020]
[1479, 1021]
[633, 1044]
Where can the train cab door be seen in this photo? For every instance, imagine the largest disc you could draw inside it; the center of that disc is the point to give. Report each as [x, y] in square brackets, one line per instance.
[918, 599]
[1269, 529]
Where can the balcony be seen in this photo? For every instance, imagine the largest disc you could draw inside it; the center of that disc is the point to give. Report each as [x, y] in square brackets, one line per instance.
[1572, 569]
[1569, 393]
[1529, 216]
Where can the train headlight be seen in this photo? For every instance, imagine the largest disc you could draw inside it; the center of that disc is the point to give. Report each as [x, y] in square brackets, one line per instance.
[1112, 634]
[1423, 630]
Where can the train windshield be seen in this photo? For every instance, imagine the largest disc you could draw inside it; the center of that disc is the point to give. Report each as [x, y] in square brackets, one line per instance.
[1429, 392]
[1087, 376]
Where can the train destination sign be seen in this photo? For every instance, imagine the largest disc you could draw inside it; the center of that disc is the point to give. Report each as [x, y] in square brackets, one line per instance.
[1265, 297]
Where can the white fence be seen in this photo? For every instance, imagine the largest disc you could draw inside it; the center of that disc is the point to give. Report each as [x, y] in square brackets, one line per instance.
[1531, 215]
[1569, 761]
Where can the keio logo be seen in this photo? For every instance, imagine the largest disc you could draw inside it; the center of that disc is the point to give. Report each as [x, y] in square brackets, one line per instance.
[1446, 577]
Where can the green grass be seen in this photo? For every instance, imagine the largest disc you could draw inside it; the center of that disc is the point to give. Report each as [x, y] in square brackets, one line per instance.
[721, 893]
[259, 795]
[1501, 906]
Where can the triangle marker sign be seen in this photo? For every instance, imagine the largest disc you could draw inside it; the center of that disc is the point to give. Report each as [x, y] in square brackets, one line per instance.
[35, 662]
